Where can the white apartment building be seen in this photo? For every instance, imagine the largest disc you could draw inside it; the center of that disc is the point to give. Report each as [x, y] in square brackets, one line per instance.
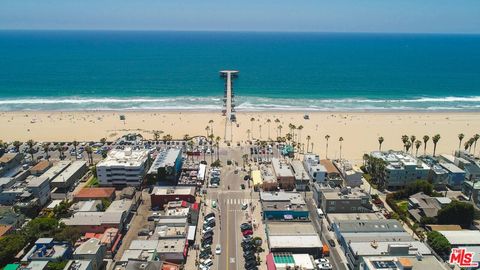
[123, 167]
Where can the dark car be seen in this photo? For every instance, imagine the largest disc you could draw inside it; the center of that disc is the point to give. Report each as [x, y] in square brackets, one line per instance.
[245, 226]
[211, 223]
[207, 241]
[252, 268]
[250, 264]
[204, 255]
[246, 244]
[209, 215]
[249, 257]
[331, 242]
[208, 234]
[248, 247]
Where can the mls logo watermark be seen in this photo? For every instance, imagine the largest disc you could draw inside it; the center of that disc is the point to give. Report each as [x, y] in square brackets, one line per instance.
[462, 258]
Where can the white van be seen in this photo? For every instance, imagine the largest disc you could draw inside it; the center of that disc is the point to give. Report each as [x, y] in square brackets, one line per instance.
[320, 213]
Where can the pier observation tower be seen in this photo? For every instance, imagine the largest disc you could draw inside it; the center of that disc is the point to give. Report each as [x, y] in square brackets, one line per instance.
[228, 97]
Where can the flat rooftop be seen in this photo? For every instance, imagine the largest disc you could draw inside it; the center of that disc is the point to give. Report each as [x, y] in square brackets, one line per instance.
[91, 246]
[281, 168]
[165, 158]
[389, 225]
[382, 248]
[126, 157]
[292, 235]
[173, 190]
[403, 262]
[173, 245]
[463, 237]
[333, 217]
[290, 228]
[299, 171]
[292, 197]
[56, 169]
[70, 171]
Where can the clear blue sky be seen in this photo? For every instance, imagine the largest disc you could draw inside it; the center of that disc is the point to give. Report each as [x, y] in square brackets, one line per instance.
[426, 16]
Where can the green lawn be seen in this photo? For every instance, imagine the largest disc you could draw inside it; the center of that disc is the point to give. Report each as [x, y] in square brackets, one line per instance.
[403, 205]
[93, 182]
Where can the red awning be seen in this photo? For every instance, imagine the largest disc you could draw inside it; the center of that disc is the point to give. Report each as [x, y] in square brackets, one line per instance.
[184, 204]
[270, 262]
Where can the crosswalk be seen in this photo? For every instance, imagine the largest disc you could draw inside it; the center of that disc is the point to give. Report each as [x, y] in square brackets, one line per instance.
[232, 201]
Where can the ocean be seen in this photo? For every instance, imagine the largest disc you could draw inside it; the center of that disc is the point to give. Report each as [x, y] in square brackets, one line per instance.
[121, 70]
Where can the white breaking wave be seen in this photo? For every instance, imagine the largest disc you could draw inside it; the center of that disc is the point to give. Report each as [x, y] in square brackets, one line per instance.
[244, 103]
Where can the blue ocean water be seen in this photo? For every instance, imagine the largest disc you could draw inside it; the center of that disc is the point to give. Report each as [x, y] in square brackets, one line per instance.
[78, 70]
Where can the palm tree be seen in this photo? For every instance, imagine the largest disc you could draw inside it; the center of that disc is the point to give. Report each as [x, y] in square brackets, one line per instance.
[16, 145]
[435, 140]
[408, 144]
[280, 130]
[326, 147]
[75, 144]
[308, 142]
[244, 159]
[60, 150]
[460, 138]
[248, 133]
[103, 140]
[268, 122]
[340, 140]
[46, 147]
[251, 124]
[366, 157]
[404, 140]
[413, 138]
[475, 139]
[425, 140]
[300, 132]
[471, 141]
[156, 135]
[30, 144]
[418, 143]
[211, 125]
[217, 143]
[89, 152]
[380, 141]
[260, 131]
[311, 148]
[186, 137]
[167, 138]
[465, 145]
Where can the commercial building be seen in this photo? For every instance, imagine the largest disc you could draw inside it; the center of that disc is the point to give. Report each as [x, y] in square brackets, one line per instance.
[96, 222]
[166, 167]
[302, 179]
[71, 174]
[264, 179]
[123, 167]
[56, 169]
[318, 189]
[283, 206]
[316, 171]
[172, 250]
[350, 174]
[283, 173]
[345, 200]
[288, 260]
[295, 237]
[401, 168]
[401, 263]
[160, 196]
[92, 250]
[46, 249]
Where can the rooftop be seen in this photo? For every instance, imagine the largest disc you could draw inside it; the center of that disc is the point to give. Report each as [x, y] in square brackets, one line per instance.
[334, 217]
[169, 232]
[282, 196]
[173, 190]
[165, 158]
[451, 167]
[8, 157]
[41, 166]
[463, 237]
[93, 218]
[56, 169]
[126, 157]
[290, 228]
[91, 246]
[94, 193]
[34, 181]
[281, 168]
[401, 263]
[78, 265]
[328, 164]
[345, 193]
[171, 245]
[120, 206]
[299, 171]
[397, 160]
[70, 171]
[389, 225]
[386, 248]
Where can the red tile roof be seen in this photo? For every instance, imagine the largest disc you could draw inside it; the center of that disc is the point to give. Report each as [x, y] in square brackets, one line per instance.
[4, 229]
[95, 193]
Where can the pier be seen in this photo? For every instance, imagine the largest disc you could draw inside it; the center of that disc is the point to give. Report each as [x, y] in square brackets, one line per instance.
[228, 100]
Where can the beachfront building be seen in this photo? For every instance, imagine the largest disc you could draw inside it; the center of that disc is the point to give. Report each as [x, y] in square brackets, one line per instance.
[283, 173]
[333, 174]
[318, 189]
[9, 161]
[123, 167]
[472, 191]
[317, 171]
[351, 174]
[70, 175]
[41, 167]
[302, 179]
[166, 167]
[438, 175]
[401, 168]
[456, 176]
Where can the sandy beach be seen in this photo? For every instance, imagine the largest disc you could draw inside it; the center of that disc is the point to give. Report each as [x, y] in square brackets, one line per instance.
[359, 130]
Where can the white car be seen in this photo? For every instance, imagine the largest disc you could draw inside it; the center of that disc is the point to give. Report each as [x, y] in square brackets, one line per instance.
[324, 266]
[244, 206]
[218, 250]
[208, 229]
[321, 260]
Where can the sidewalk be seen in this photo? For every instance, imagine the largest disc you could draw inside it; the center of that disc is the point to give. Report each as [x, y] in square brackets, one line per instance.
[260, 230]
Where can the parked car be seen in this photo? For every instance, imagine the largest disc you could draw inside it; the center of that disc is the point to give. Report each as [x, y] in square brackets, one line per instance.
[247, 232]
[209, 215]
[245, 226]
[218, 249]
[206, 230]
[331, 242]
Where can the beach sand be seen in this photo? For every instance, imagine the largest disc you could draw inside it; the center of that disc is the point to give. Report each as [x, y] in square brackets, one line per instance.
[360, 131]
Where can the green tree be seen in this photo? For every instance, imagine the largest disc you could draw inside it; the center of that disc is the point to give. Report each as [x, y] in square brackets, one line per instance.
[380, 141]
[475, 139]
[31, 151]
[456, 212]
[46, 148]
[404, 140]
[418, 143]
[460, 138]
[75, 144]
[413, 138]
[425, 140]
[10, 245]
[439, 243]
[16, 145]
[435, 140]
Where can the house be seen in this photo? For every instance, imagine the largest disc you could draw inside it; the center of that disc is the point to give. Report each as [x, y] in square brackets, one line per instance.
[86, 194]
[96, 222]
[317, 171]
[162, 195]
[302, 179]
[9, 161]
[166, 167]
[78, 265]
[421, 205]
[46, 249]
[472, 191]
[283, 206]
[71, 174]
[123, 167]
[283, 173]
[456, 176]
[351, 174]
[91, 250]
[333, 174]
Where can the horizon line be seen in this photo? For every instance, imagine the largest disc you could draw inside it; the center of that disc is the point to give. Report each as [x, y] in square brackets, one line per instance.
[231, 31]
